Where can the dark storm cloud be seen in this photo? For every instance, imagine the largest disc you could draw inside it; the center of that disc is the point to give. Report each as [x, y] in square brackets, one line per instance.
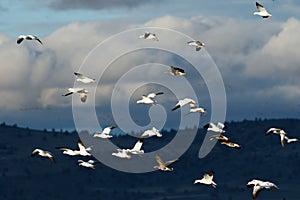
[96, 4]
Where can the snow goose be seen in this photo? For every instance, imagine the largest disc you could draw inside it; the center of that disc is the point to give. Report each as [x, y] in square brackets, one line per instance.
[282, 134]
[262, 11]
[149, 99]
[137, 149]
[176, 71]
[149, 36]
[163, 165]
[82, 93]
[197, 44]
[83, 79]
[83, 151]
[150, 133]
[195, 109]
[28, 37]
[122, 153]
[231, 144]
[43, 153]
[259, 185]
[215, 128]
[207, 179]
[87, 164]
[183, 102]
[105, 133]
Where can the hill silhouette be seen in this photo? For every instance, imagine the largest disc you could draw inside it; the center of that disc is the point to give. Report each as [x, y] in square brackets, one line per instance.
[262, 157]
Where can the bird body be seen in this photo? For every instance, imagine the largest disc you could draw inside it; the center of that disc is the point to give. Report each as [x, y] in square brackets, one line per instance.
[207, 179]
[137, 149]
[82, 151]
[149, 99]
[262, 11]
[176, 71]
[122, 153]
[184, 102]
[259, 185]
[215, 128]
[197, 44]
[105, 133]
[282, 135]
[149, 36]
[150, 133]
[83, 79]
[163, 165]
[87, 164]
[82, 93]
[42, 153]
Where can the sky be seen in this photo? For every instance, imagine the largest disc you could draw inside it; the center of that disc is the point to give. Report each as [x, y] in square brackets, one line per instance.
[257, 58]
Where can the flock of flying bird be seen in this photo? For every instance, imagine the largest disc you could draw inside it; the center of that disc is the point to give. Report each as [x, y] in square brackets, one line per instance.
[218, 128]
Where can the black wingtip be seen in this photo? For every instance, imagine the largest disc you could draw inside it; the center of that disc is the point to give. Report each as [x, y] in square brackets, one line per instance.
[176, 107]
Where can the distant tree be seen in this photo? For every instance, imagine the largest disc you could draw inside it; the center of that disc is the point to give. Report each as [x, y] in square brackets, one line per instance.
[2, 124]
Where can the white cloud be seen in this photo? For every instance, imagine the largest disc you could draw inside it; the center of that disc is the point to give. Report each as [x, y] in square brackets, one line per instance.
[247, 52]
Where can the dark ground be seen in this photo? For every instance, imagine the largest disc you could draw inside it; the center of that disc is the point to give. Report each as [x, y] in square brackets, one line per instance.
[25, 177]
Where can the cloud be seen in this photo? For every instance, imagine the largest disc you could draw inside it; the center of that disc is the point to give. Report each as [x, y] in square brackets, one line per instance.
[258, 60]
[97, 4]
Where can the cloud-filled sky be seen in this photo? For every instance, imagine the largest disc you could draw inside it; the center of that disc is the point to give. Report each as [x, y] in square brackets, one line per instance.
[257, 58]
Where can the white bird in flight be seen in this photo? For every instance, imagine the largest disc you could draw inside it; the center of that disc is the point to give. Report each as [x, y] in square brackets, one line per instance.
[28, 37]
[87, 164]
[150, 133]
[207, 179]
[176, 71]
[262, 11]
[83, 151]
[164, 166]
[83, 79]
[137, 149]
[149, 98]
[149, 36]
[282, 134]
[122, 153]
[259, 185]
[184, 102]
[197, 44]
[215, 128]
[82, 93]
[105, 133]
[43, 153]
[195, 109]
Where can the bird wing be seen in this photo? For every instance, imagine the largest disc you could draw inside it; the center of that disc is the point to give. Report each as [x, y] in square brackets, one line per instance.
[81, 145]
[159, 160]
[170, 162]
[260, 7]
[35, 152]
[271, 130]
[176, 106]
[269, 185]
[220, 125]
[138, 145]
[20, 39]
[187, 101]
[210, 125]
[174, 69]
[79, 75]
[191, 43]
[209, 176]
[282, 139]
[256, 190]
[83, 97]
[152, 95]
[38, 39]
